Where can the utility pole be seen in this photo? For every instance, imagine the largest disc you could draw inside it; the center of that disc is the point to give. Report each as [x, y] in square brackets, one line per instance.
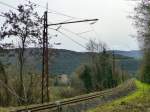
[46, 55]
[123, 75]
[45, 70]
[45, 65]
[113, 65]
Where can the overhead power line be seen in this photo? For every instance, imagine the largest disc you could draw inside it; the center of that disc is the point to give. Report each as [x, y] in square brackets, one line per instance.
[75, 34]
[78, 36]
[74, 40]
[84, 32]
[65, 35]
[94, 31]
[58, 13]
[70, 22]
[53, 11]
[80, 21]
[69, 37]
[5, 4]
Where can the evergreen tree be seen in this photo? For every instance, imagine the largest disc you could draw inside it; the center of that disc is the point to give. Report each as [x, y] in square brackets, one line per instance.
[85, 76]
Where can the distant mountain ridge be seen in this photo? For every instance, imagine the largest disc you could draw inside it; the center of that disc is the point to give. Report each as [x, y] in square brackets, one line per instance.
[133, 53]
[66, 61]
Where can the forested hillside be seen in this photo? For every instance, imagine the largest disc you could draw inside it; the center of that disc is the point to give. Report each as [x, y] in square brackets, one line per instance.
[63, 61]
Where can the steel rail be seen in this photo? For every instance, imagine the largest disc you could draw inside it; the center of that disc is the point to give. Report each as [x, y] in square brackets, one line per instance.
[72, 101]
[77, 99]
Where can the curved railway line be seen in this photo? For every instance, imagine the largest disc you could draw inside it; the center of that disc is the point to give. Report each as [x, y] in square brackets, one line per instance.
[129, 85]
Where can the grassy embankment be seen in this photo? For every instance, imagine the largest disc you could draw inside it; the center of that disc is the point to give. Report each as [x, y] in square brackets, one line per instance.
[57, 93]
[139, 101]
[4, 110]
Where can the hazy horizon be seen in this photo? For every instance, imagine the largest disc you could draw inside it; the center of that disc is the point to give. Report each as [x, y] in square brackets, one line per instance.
[113, 27]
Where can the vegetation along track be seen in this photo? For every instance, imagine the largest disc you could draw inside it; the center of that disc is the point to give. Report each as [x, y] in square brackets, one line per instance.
[128, 85]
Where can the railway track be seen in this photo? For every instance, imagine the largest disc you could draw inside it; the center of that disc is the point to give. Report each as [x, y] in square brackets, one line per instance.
[78, 99]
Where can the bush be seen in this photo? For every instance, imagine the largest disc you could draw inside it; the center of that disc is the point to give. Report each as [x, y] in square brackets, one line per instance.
[76, 82]
[68, 92]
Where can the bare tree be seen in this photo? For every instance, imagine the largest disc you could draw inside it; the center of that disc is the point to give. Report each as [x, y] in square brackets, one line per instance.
[4, 78]
[25, 26]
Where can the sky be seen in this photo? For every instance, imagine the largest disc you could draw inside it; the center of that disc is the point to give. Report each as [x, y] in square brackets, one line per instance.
[114, 27]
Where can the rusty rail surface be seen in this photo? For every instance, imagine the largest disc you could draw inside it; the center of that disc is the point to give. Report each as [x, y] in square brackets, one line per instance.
[78, 99]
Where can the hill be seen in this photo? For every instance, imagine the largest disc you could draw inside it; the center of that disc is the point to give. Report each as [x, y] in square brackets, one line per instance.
[67, 61]
[62, 61]
[134, 53]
